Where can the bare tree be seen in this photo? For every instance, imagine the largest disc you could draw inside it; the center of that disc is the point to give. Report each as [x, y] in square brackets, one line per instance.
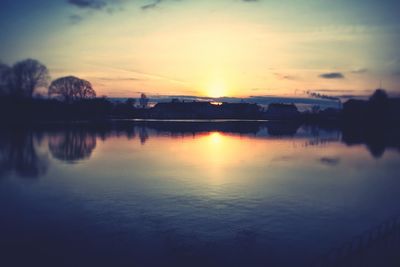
[143, 101]
[28, 75]
[71, 88]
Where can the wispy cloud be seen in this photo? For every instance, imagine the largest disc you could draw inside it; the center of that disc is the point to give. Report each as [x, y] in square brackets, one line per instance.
[109, 6]
[336, 94]
[88, 4]
[156, 3]
[283, 76]
[360, 71]
[336, 90]
[321, 96]
[332, 75]
[120, 79]
[150, 76]
[103, 4]
[151, 5]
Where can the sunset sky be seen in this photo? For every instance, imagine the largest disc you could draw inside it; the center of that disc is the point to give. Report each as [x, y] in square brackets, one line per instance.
[233, 48]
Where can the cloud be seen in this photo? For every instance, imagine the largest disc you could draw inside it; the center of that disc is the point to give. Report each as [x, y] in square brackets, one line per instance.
[342, 94]
[322, 96]
[156, 3]
[151, 5]
[359, 71]
[120, 79]
[108, 6]
[353, 96]
[101, 4]
[282, 76]
[146, 75]
[335, 90]
[332, 75]
[342, 91]
[88, 4]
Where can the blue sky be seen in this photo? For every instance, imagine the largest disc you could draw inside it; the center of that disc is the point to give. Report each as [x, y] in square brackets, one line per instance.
[232, 48]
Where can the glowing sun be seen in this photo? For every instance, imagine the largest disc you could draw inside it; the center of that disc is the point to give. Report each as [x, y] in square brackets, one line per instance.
[217, 89]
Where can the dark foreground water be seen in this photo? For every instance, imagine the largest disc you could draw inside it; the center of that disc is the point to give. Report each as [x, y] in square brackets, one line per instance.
[198, 194]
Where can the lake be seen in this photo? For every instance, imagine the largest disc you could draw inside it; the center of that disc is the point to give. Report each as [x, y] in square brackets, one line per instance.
[198, 194]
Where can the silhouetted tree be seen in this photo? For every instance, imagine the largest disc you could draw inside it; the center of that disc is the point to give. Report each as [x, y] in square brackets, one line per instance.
[5, 79]
[379, 95]
[143, 101]
[27, 76]
[71, 88]
[378, 109]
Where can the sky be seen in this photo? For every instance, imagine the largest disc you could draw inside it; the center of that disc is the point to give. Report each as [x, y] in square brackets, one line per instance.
[232, 48]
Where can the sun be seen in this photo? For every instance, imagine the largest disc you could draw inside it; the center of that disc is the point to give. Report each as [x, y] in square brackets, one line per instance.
[217, 89]
[215, 138]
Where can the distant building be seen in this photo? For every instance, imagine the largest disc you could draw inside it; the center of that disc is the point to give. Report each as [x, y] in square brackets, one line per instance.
[205, 110]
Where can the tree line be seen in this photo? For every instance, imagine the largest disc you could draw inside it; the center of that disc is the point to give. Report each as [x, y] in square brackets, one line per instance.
[27, 94]
[24, 78]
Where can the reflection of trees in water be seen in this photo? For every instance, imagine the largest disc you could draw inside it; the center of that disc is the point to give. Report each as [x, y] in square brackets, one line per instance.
[320, 141]
[279, 128]
[376, 150]
[143, 135]
[19, 154]
[317, 136]
[72, 145]
[376, 139]
[123, 129]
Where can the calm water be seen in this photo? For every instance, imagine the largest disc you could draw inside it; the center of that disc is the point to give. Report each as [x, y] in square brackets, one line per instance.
[197, 194]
